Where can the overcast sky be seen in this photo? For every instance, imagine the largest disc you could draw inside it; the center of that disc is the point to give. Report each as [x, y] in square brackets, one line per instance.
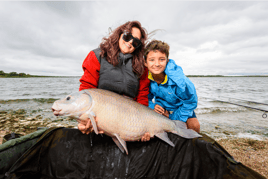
[206, 38]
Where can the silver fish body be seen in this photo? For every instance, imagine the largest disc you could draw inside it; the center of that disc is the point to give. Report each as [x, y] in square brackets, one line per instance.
[120, 117]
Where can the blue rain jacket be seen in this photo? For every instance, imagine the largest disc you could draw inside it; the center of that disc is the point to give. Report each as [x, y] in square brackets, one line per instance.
[177, 93]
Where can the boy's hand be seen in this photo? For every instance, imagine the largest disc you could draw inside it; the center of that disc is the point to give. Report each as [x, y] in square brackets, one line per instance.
[161, 110]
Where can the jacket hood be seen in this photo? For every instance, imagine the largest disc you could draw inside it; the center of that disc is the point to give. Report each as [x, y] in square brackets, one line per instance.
[175, 73]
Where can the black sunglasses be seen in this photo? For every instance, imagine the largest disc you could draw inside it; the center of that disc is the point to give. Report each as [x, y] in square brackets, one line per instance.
[128, 36]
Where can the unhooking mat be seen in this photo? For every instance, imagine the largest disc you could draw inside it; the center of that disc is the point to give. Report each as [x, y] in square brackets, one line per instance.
[67, 153]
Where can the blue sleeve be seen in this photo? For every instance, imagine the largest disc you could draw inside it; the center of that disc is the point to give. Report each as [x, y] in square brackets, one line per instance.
[150, 99]
[189, 98]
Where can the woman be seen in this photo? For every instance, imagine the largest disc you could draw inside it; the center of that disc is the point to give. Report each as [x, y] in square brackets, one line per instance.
[118, 66]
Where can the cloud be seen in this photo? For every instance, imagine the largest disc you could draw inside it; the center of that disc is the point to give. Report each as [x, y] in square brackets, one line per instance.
[54, 37]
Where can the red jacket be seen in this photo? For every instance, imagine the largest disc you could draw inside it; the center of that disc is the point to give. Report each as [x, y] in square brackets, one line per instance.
[90, 78]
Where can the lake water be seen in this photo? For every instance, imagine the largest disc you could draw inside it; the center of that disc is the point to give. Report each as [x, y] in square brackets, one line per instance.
[217, 119]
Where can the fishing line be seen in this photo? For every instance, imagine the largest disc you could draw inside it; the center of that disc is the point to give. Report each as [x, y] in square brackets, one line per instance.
[247, 101]
[264, 115]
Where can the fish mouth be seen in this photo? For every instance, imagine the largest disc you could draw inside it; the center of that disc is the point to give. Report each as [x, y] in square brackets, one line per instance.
[65, 113]
[56, 112]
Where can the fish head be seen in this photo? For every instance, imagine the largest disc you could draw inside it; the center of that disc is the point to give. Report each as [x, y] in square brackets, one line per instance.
[73, 105]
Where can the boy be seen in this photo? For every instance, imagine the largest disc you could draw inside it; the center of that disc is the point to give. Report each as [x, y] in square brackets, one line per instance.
[172, 94]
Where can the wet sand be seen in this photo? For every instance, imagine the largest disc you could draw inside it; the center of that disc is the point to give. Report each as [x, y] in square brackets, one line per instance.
[251, 153]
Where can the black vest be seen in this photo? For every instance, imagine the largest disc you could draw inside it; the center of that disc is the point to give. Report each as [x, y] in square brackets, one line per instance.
[120, 79]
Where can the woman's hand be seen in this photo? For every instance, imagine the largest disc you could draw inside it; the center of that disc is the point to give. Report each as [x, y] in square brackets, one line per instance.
[85, 125]
[146, 137]
[160, 110]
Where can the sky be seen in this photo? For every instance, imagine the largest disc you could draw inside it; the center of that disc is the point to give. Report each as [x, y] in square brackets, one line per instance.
[205, 37]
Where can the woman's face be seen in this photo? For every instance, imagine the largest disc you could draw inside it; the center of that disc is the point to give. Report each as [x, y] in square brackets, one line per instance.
[127, 47]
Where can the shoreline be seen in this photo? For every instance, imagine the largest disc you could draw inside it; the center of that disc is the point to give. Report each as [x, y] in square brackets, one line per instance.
[189, 76]
[250, 152]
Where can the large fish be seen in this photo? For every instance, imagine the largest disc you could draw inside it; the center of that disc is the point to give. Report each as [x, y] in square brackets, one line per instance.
[119, 117]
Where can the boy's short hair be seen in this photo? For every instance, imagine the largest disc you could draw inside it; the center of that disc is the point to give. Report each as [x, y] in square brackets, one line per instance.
[156, 45]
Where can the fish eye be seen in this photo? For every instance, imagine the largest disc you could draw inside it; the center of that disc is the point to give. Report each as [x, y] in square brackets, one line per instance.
[68, 98]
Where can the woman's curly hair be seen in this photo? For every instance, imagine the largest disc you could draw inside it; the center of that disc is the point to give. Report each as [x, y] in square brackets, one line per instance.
[156, 45]
[110, 46]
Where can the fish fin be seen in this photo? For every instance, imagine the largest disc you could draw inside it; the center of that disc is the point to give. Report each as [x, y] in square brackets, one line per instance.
[165, 138]
[93, 122]
[120, 143]
[186, 133]
[93, 114]
[180, 124]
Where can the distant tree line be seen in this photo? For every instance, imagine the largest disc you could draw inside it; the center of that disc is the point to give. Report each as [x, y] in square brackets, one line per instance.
[227, 76]
[205, 76]
[16, 75]
[13, 74]
[20, 75]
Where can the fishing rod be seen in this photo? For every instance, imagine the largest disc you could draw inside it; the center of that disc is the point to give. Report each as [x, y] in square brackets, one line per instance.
[247, 101]
[264, 114]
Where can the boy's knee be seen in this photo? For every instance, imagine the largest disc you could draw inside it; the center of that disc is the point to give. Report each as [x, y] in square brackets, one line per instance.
[193, 123]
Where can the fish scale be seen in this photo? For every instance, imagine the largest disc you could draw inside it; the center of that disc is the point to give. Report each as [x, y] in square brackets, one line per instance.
[120, 117]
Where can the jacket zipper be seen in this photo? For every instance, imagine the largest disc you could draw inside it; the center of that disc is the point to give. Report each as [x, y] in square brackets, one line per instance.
[124, 76]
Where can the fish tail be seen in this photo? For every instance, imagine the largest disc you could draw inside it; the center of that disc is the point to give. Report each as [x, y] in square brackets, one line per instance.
[180, 124]
[181, 130]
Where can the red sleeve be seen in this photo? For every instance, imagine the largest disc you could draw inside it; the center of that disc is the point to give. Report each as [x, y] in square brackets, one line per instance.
[91, 68]
[142, 96]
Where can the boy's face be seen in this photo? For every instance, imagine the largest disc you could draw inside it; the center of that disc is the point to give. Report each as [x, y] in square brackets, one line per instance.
[156, 62]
